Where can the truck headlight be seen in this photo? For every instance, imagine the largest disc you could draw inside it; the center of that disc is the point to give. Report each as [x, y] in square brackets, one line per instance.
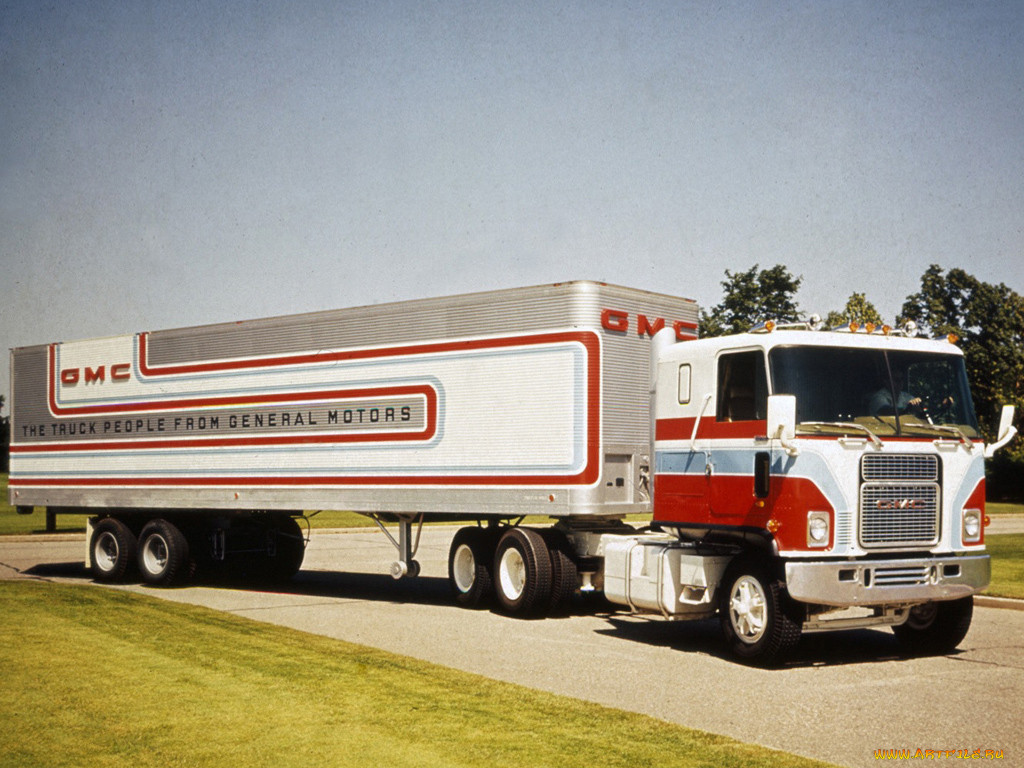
[818, 525]
[971, 525]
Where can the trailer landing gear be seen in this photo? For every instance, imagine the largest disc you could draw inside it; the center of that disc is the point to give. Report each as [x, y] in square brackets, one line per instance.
[405, 565]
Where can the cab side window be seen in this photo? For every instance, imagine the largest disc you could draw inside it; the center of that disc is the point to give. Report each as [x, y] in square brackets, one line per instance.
[742, 387]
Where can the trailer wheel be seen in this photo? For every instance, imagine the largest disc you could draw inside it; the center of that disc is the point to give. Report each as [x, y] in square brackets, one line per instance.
[935, 628]
[753, 614]
[290, 549]
[113, 550]
[469, 567]
[522, 573]
[163, 554]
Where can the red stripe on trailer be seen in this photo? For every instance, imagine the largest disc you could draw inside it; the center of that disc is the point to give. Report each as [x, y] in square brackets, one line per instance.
[337, 395]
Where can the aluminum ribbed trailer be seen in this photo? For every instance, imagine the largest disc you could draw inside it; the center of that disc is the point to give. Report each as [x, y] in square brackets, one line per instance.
[213, 439]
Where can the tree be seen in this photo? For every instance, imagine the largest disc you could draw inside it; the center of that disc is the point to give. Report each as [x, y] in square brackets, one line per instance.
[752, 297]
[989, 319]
[857, 310]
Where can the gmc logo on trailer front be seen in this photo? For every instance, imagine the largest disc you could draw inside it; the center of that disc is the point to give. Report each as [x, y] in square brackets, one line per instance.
[617, 320]
[69, 377]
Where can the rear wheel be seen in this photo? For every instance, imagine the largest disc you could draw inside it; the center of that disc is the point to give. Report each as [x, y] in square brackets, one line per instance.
[470, 561]
[522, 573]
[564, 574]
[112, 550]
[163, 554]
[752, 610]
[934, 628]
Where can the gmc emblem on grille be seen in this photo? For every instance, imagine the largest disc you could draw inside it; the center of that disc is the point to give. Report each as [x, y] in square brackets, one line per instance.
[900, 504]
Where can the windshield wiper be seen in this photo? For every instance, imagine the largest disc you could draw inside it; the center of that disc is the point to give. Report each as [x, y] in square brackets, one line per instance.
[844, 425]
[948, 428]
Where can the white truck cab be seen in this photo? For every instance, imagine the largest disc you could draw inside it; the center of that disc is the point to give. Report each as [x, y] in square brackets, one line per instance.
[809, 480]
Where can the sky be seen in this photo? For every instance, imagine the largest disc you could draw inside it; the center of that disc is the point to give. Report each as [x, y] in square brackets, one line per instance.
[166, 164]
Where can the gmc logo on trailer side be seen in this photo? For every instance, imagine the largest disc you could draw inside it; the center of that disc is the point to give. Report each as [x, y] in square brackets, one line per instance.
[617, 320]
[69, 377]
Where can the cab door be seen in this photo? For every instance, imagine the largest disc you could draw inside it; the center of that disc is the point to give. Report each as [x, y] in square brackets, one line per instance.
[741, 417]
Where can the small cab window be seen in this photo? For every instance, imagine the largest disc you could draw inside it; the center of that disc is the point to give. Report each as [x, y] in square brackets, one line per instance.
[684, 384]
[742, 387]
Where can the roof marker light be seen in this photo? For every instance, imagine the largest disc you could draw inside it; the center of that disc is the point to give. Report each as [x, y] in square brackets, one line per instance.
[854, 326]
[952, 338]
[769, 326]
[869, 327]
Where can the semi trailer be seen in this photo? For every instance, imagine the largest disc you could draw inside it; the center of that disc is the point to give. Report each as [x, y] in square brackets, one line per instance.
[790, 479]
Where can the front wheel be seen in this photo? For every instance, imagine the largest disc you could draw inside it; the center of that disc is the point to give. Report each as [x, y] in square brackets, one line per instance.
[753, 614]
[935, 628]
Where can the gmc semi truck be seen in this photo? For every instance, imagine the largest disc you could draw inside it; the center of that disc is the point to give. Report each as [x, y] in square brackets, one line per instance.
[795, 479]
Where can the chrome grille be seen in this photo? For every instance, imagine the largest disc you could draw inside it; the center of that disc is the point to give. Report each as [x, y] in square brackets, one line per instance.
[900, 467]
[902, 577]
[899, 501]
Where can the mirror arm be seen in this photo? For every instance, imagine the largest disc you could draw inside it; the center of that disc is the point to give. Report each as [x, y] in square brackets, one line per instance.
[991, 449]
[696, 424]
[1006, 431]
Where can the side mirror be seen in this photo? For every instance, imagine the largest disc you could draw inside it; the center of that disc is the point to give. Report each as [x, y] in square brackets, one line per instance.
[782, 421]
[1005, 433]
[782, 417]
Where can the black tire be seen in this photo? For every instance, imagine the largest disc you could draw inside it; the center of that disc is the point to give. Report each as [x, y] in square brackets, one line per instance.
[522, 573]
[163, 554]
[564, 573]
[470, 560]
[936, 628]
[289, 549]
[112, 550]
[754, 613]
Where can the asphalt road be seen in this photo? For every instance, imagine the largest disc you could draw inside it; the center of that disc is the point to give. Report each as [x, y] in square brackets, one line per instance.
[843, 695]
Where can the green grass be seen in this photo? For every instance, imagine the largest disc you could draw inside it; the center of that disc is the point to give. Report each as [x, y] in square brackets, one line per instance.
[102, 677]
[1003, 508]
[11, 522]
[1007, 551]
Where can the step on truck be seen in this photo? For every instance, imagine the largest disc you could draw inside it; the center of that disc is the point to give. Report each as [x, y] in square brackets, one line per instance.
[789, 480]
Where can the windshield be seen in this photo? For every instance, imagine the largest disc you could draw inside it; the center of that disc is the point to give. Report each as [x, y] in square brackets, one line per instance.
[888, 392]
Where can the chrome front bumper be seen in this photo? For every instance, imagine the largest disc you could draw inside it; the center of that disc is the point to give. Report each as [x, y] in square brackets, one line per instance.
[885, 582]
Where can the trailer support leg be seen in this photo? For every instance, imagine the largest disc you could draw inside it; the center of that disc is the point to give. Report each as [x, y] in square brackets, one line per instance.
[405, 544]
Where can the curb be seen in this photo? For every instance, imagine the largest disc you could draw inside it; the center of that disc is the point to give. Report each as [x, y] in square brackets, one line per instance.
[987, 601]
[22, 538]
